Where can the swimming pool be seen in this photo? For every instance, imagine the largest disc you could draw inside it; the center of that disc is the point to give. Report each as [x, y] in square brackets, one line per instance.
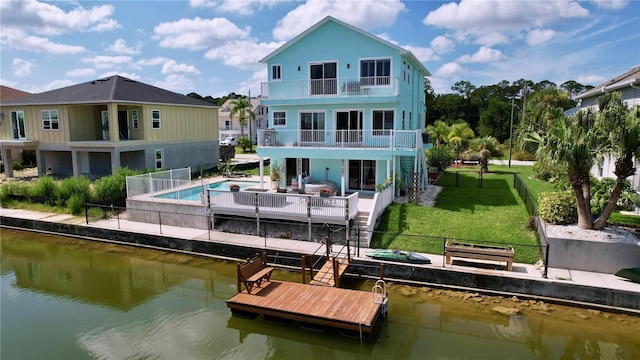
[193, 194]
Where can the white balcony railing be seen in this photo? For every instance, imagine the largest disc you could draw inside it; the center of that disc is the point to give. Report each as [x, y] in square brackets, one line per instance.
[382, 139]
[340, 87]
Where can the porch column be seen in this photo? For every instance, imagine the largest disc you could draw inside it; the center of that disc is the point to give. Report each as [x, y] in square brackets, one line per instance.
[261, 172]
[42, 164]
[7, 161]
[114, 127]
[74, 163]
[115, 160]
[342, 178]
[388, 169]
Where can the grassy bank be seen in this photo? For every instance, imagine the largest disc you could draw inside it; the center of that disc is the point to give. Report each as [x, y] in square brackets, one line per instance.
[492, 213]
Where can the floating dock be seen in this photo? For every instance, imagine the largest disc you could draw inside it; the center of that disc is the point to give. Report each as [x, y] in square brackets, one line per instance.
[345, 309]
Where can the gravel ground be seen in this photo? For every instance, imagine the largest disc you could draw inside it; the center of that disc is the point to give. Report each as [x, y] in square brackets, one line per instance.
[608, 234]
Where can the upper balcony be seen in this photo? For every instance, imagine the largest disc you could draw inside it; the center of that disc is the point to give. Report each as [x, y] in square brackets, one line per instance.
[341, 139]
[377, 86]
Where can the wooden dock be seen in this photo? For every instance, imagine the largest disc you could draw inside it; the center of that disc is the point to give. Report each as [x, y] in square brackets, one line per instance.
[319, 305]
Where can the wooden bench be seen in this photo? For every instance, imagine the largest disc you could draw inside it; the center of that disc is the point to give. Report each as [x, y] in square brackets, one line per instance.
[479, 252]
[253, 272]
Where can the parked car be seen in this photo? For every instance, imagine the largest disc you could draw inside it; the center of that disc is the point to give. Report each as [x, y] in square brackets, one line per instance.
[229, 140]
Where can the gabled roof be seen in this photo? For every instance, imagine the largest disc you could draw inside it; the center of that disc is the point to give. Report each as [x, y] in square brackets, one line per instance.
[107, 90]
[628, 79]
[406, 53]
[7, 93]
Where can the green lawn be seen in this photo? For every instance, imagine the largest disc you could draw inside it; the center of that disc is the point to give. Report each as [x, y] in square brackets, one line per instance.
[493, 213]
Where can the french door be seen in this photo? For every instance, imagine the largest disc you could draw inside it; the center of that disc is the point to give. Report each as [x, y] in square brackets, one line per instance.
[362, 175]
[349, 127]
[323, 79]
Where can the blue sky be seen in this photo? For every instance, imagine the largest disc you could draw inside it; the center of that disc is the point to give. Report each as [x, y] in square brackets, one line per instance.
[212, 47]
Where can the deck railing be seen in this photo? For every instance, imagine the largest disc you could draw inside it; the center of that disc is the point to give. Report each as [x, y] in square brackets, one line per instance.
[301, 207]
[381, 200]
[339, 87]
[380, 139]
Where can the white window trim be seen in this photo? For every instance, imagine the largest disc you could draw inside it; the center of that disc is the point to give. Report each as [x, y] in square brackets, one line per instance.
[155, 158]
[154, 120]
[24, 124]
[377, 58]
[272, 68]
[273, 118]
[134, 119]
[393, 126]
[300, 112]
[50, 121]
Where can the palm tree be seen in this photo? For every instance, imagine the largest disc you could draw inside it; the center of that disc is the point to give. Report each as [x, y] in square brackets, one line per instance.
[459, 134]
[623, 128]
[438, 131]
[484, 147]
[242, 108]
[573, 141]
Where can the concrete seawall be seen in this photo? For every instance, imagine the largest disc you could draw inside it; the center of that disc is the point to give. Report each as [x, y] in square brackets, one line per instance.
[483, 281]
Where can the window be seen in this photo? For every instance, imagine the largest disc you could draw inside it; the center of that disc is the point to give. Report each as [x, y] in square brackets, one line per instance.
[382, 122]
[155, 119]
[276, 72]
[323, 78]
[50, 120]
[375, 72]
[159, 159]
[134, 118]
[17, 125]
[227, 124]
[312, 126]
[279, 118]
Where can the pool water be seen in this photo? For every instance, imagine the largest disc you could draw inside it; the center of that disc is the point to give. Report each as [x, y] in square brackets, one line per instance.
[193, 194]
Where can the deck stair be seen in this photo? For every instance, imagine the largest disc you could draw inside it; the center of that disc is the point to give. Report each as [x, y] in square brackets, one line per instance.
[360, 222]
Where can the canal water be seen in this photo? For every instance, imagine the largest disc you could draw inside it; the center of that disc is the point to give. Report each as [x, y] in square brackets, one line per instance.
[64, 298]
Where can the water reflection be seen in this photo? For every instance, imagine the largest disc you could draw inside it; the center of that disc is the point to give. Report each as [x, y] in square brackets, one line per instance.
[64, 298]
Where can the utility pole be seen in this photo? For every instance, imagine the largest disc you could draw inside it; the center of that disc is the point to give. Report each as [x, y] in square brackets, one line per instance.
[511, 131]
[524, 101]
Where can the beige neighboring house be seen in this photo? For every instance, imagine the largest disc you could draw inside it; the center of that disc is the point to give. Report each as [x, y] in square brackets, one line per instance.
[96, 127]
[7, 93]
[231, 128]
[628, 84]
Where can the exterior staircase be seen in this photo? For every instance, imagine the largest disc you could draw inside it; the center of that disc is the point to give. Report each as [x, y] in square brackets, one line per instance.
[326, 275]
[360, 222]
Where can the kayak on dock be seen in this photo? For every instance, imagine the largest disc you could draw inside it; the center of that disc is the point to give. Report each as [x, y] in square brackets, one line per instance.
[397, 255]
[632, 274]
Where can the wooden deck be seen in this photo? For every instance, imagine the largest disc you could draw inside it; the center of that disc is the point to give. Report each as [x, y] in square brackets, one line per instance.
[320, 305]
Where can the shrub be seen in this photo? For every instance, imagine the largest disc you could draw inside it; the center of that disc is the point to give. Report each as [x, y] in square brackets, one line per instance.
[545, 172]
[110, 188]
[80, 186]
[244, 143]
[15, 190]
[17, 165]
[558, 208]
[440, 157]
[523, 155]
[75, 204]
[601, 193]
[46, 188]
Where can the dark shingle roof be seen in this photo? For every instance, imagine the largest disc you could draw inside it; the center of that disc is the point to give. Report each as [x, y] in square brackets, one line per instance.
[111, 89]
[7, 93]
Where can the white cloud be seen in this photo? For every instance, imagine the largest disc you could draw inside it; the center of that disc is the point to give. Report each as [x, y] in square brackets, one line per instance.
[176, 83]
[537, 36]
[611, 4]
[483, 55]
[484, 21]
[120, 47]
[440, 85]
[123, 74]
[21, 67]
[450, 70]
[153, 61]
[106, 62]
[363, 14]
[196, 34]
[442, 44]
[55, 84]
[45, 18]
[242, 54]
[171, 67]
[590, 79]
[37, 44]
[422, 53]
[81, 72]
[234, 6]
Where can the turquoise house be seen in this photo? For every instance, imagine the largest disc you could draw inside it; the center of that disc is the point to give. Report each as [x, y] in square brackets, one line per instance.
[345, 108]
